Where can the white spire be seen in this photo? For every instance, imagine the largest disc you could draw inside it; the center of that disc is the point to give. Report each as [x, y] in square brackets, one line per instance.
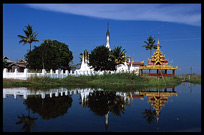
[108, 37]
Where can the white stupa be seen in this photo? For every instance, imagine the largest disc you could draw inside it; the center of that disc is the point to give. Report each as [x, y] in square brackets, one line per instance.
[84, 64]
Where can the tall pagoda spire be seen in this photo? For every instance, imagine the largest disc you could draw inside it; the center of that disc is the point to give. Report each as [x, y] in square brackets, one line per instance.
[108, 37]
[158, 43]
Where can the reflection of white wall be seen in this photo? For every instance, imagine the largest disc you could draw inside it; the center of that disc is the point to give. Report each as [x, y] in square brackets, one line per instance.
[84, 93]
[25, 92]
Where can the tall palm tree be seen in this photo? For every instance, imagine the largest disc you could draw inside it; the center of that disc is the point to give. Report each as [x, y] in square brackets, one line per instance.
[30, 36]
[119, 54]
[150, 44]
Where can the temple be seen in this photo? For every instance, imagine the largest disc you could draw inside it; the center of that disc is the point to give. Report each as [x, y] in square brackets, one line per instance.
[129, 66]
[84, 63]
[158, 63]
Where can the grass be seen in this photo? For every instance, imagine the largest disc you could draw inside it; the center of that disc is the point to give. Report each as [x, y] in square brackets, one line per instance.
[192, 78]
[121, 80]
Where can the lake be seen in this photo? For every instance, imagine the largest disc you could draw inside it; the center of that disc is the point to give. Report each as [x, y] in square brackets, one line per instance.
[171, 109]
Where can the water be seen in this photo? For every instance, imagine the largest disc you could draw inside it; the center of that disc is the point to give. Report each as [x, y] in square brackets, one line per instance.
[94, 110]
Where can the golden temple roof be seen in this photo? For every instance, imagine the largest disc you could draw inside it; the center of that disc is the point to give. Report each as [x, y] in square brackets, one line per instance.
[158, 61]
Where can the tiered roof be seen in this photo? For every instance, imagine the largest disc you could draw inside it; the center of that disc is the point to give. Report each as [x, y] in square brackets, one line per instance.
[158, 61]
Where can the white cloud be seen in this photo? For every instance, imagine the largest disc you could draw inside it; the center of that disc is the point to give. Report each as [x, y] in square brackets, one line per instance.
[179, 13]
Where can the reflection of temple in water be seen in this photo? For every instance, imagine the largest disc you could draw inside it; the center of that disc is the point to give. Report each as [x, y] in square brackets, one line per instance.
[157, 98]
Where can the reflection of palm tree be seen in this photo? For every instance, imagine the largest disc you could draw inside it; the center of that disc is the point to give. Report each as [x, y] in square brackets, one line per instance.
[28, 122]
[149, 115]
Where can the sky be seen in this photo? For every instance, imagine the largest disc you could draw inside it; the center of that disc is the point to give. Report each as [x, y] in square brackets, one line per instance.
[84, 26]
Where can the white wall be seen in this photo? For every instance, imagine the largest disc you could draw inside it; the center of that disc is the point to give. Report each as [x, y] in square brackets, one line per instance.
[52, 74]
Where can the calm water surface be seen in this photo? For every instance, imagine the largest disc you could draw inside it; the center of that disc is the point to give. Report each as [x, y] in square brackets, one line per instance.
[95, 110]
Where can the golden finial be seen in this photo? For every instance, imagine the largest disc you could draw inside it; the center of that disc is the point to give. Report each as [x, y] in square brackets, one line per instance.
[158, 43]
[85, 54]
[129, 56]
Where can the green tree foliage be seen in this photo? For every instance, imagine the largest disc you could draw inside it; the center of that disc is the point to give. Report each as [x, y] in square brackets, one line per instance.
[30, 36]
[150, 44]
[4, 63]
[51, 54]
[119, 54]
[101, 59]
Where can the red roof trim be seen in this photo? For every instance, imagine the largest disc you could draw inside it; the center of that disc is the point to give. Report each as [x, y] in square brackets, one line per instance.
[136, 63]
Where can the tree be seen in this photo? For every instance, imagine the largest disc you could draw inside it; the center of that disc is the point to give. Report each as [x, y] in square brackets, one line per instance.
[51, 54]
[150, 44]
[101, 59]
[4, 63]
[119, 54]
[30, 36]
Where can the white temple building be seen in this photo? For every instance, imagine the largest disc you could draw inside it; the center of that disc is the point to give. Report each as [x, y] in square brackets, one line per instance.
[129, 66]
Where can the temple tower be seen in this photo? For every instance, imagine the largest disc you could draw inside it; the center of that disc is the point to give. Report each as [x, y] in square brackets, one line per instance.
[108, 38]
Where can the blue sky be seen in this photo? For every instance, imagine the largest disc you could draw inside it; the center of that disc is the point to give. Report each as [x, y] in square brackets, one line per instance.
[83, 26]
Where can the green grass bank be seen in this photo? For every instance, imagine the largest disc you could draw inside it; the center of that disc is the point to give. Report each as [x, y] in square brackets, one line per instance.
[191, 78]
[106, 80]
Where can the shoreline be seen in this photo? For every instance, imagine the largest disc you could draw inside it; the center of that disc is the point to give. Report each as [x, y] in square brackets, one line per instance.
[106, 80]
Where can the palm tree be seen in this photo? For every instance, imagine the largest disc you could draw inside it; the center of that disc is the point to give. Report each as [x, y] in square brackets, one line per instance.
[149, 114]
[119, 54]
[30, 36]
[150, 44]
